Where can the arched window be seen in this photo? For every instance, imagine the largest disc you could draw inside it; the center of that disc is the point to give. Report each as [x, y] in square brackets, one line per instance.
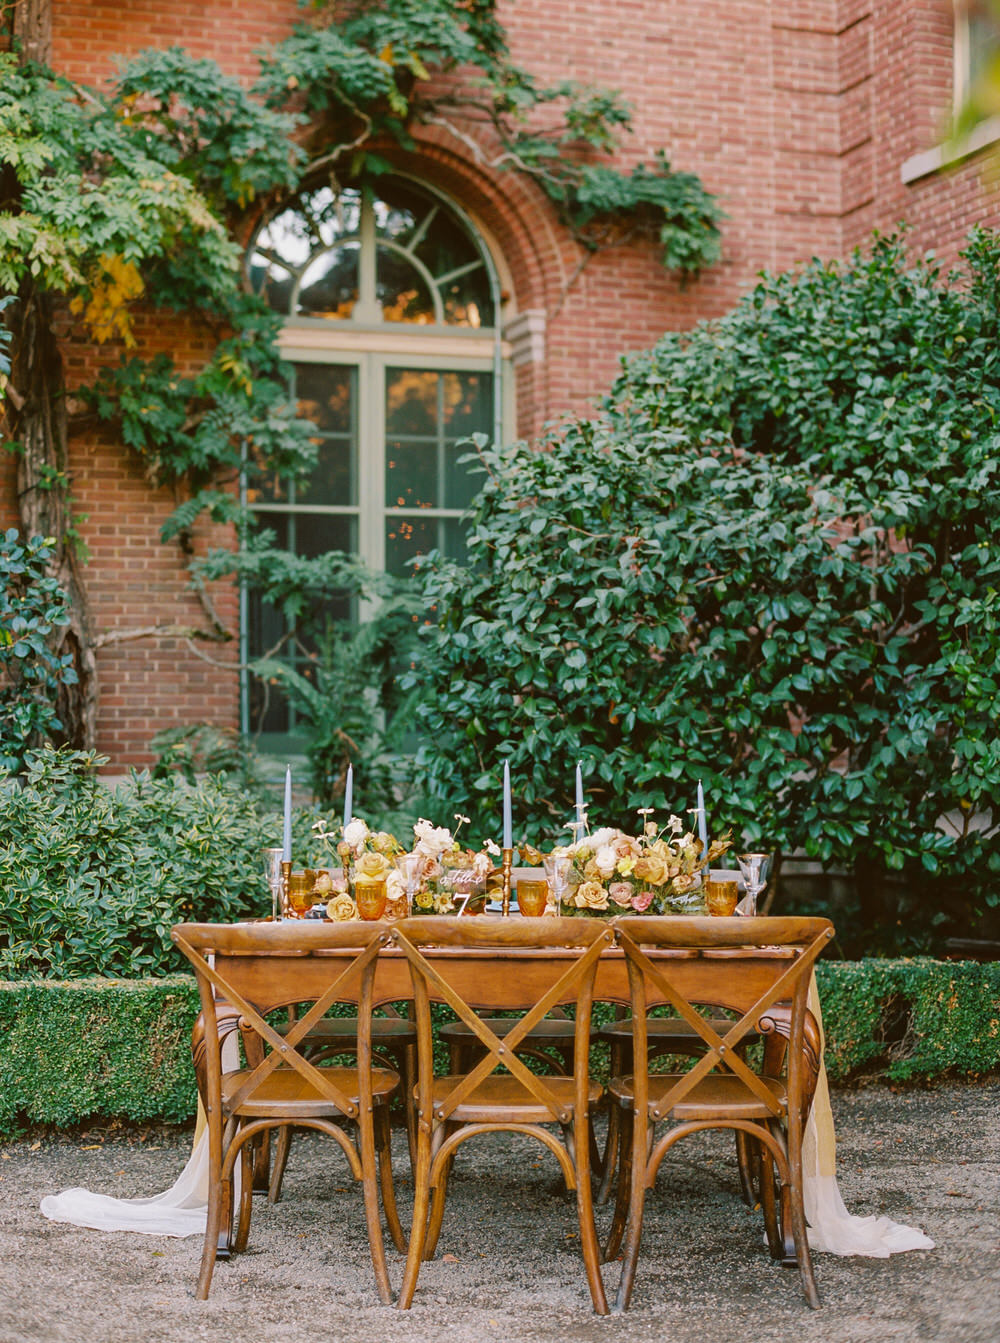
[391, 300]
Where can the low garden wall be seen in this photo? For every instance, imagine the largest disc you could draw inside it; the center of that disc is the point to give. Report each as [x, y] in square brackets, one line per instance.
[71, 1051]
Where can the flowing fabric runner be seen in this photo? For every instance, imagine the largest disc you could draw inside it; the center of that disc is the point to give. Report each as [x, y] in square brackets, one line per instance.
[181, 1209]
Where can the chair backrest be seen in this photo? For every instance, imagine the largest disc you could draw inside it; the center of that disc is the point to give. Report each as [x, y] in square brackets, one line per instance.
[527, 964]
[255, 968]
[745, 965]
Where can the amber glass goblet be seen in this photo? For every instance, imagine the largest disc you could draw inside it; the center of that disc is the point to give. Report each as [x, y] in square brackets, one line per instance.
[722, 897]
[370, 898]
[300, 892]
[532, 897]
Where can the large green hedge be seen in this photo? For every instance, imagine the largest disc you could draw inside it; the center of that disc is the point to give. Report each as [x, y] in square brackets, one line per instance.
[770, 564]
[72, 1051]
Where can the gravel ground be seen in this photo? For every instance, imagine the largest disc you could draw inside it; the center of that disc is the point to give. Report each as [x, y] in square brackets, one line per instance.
[507, 1265]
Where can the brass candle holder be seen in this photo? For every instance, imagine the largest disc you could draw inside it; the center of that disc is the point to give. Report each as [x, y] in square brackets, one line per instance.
[286, 882]
[508, 863]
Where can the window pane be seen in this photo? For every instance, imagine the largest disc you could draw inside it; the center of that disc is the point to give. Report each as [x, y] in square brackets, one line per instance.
[325, 395]
[405, 538]
[272, 282]
[425, 411]
[330, 284]
[411, 402]
[402, 290]
[468, 404]
[412, 475]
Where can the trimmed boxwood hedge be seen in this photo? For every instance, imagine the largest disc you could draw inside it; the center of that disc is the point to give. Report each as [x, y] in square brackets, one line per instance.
[72, 1051]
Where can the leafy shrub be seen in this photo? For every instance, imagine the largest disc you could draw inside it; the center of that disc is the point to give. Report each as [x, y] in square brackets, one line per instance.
[772, 565]
[32, 605]
[96, 1047]
[93, 878]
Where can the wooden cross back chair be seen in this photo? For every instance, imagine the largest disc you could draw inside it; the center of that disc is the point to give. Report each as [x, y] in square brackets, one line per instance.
[750, 966]
[254, 970]
[461, 962]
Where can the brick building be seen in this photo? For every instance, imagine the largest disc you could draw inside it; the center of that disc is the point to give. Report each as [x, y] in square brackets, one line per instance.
[813, 121]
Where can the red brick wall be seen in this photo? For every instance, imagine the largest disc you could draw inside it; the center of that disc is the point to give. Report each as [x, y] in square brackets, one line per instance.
[798, 113]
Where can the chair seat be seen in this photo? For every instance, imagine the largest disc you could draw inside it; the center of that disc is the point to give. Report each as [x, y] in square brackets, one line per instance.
[663, 1032]
[559, 1029]
[715, 1096]
[502, 1098]
[344, 1030]
[286, 1094]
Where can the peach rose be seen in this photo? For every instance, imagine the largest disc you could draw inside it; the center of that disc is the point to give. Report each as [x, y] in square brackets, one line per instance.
[374, 866]
[341, 908]
[590, 895]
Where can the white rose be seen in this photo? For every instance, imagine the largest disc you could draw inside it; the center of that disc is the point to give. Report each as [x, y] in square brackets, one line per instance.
[432, 840]
[603, 836]
[605, 859]
[355, 833]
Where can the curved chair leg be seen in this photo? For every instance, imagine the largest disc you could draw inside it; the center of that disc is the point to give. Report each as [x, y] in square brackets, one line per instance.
[747, 1160]
[766, 1185]
[246, 1197]
[262, 1162]
[793, 1213]
[409, 1082]
[620, 1217]
[610, 1159]
[440, 1195]
[384, 1149]
[281, 1146]
[585, 1217]
[634, 1214]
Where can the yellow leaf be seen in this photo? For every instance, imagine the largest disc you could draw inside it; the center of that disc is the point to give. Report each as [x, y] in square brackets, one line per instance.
[385, 55]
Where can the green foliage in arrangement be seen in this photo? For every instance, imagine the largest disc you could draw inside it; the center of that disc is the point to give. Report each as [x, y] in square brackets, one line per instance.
[70, 1052]
[93, 878]
[772, 564]
[32, 605]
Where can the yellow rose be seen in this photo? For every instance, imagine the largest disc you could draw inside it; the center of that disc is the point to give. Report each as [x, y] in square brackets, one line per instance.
[651, 867]
[424, 900]
[341, 908]
[373, 866]
[591, 895]
[323, 883]
[683, 883]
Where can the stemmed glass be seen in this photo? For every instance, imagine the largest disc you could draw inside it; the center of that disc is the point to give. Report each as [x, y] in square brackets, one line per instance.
[754, 869]
[272, 870]
[557, 869]
[410, 866]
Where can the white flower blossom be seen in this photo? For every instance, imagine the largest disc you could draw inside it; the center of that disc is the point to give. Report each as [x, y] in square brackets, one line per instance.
[432, 840]
[355, 833]
[605, 859]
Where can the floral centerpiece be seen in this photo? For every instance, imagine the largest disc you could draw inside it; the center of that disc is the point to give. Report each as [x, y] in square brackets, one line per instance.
[447, 876]
[655, 872]
[362, 853]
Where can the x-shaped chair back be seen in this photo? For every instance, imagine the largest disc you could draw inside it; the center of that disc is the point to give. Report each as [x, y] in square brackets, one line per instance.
[257, 968]
[745, 965]
[503, 984]
[252, 970]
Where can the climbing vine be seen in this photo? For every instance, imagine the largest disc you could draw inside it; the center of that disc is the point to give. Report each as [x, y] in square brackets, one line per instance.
[130, 200]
